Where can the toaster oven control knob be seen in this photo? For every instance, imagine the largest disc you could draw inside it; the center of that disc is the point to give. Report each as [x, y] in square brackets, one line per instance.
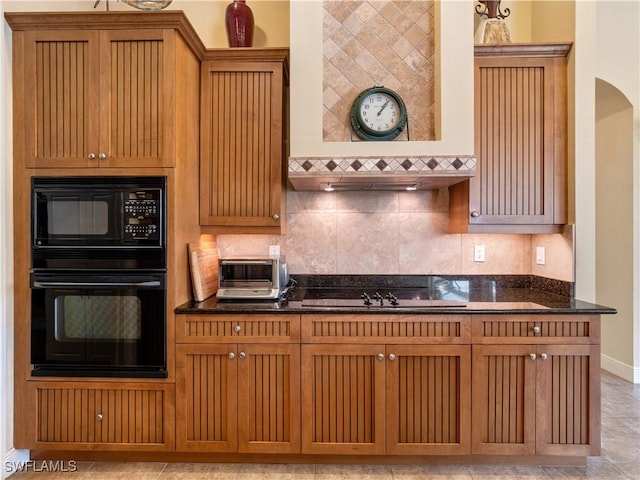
[99, 417]
[231, 355]
[276, 216]
[237, 329]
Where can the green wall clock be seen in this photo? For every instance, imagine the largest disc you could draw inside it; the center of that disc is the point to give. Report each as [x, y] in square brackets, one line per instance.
[378, 113]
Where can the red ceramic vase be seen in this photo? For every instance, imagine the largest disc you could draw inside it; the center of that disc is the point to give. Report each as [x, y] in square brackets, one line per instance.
[239, 22]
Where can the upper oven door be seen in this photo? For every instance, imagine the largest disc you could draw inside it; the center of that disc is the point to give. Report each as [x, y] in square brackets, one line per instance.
[98, 222]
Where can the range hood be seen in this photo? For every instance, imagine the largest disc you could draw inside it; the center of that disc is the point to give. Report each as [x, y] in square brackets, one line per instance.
[379, 173]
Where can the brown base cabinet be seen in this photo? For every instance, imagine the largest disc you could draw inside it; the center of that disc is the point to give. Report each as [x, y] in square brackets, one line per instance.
[77, 416]
[539, 398]
[393, 399]
[238, 397]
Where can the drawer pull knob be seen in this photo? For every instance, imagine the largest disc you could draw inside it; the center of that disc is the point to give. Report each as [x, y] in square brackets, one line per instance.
[242, 355]
[237, 329]
[392, 357]
[102, 156]
[276, 216]
[91, 156]
[381, 356]
[231, 355]
[533, 356]
[536, 329]
[475, 214]
[99, 417]
[543, 356]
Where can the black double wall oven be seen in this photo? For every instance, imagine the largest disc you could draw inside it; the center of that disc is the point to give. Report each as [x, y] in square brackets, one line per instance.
[98, 279]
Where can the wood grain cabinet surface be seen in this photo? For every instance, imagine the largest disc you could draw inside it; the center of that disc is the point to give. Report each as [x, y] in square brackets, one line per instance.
[520, 142]
[103, 96]
[409, 393]
[239, 397]
[243, 141]
[77, 416]
[536, 386]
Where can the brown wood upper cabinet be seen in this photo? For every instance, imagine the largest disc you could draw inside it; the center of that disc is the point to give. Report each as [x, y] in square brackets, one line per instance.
[243, 131]
[91, 93]
[520, 142]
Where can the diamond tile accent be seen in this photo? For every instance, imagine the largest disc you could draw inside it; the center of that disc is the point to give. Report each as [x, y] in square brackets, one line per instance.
[362, 165]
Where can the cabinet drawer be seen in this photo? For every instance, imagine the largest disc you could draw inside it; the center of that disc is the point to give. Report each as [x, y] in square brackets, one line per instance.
[581, 329]
[405, 329]
[236, 328]
[78, 417]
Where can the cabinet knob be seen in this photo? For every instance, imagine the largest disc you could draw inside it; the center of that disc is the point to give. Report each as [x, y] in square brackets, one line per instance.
[543, 356]
[475, 214]
[381, 356]
[276, 216]
[533, 356]
[392, 357]
[91, 156]
[231, 355]
[242, 355]
[99, 417]
[536, 329]
[237, 329]
[102, 156]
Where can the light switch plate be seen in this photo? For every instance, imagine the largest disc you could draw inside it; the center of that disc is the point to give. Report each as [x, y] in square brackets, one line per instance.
[274, 251]
[478, 253]
[540, 256]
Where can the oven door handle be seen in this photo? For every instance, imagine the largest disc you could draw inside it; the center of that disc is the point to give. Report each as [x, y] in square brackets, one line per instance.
[150, 284]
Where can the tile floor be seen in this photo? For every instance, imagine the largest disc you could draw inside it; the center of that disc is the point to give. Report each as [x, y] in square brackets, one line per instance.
[620, 459]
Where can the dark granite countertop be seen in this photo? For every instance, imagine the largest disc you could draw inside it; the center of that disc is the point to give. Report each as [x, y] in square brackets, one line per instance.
[473, 294]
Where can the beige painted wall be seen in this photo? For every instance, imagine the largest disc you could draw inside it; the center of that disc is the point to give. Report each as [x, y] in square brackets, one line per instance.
[614, 220]
[271, 17]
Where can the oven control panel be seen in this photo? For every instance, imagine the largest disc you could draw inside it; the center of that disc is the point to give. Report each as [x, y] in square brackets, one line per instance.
[142, 214]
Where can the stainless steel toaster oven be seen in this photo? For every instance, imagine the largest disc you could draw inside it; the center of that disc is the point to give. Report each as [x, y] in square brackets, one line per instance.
[252, 277]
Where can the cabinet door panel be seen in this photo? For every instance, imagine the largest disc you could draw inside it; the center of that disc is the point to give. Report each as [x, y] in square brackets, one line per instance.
[504, 407]
[343, 399]
[206, 382]
[241, 155]
[71, 416]
[136, 98]
[61, 105]
[269, 398]
[428, 400]
[515, 151]
[568, 403]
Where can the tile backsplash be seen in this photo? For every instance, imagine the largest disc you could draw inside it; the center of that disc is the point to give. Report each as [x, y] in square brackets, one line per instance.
[395, 233]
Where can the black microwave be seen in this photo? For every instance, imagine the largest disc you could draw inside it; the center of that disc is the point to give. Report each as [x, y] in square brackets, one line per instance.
[106, 222]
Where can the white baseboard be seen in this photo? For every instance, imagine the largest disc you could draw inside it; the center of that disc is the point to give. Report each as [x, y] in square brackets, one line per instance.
[620, 369]
[14, 457]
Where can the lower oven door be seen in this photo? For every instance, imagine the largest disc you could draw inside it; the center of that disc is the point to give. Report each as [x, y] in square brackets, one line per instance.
[98, 324]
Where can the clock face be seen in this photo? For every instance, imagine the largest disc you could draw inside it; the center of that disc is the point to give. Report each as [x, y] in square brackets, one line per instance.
[378, 113]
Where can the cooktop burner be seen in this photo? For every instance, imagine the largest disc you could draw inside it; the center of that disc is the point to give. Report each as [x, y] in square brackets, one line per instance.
[381, 298]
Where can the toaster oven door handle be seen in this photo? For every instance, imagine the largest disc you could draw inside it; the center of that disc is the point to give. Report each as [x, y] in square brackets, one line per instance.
[150, 284]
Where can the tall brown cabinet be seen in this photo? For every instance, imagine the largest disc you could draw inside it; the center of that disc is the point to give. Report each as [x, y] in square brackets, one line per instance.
[103, 94]
[520, 142]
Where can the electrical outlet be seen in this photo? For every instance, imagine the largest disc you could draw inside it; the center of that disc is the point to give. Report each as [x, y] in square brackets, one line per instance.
[274, 251]
[540, 256]
[478, 253]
